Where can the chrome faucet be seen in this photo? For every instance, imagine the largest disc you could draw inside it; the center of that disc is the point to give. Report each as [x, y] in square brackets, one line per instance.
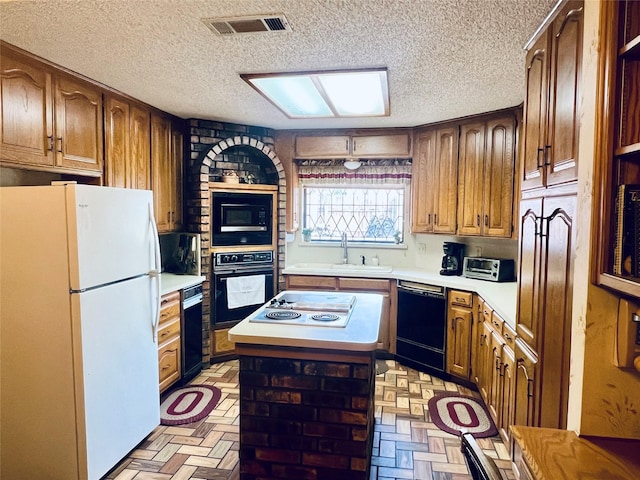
[343, 244]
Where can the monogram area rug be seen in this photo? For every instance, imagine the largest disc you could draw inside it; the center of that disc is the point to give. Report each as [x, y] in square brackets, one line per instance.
[188, 404]
[453, 412]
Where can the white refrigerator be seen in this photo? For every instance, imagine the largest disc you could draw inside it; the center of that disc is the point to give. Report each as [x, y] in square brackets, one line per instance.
[79, 309]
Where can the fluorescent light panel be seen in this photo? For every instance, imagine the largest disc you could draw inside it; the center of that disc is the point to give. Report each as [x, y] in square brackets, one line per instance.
[349, 93]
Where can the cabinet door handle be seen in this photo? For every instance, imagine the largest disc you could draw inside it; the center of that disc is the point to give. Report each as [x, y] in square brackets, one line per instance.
[435, 218]
[547, 148]
[507, 336]
[486, 220]
[355, 145]
[429, 219]
[60, 140]
[50, 138]
[538, 164]
[478, 220]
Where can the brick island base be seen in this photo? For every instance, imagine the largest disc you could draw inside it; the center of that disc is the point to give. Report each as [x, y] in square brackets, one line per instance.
[305, 413]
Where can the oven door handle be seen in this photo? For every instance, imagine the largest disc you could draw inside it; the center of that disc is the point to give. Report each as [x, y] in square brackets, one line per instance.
[238, 273]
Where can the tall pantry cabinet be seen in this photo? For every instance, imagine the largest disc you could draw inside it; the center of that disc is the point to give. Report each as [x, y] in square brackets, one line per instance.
[549, 187]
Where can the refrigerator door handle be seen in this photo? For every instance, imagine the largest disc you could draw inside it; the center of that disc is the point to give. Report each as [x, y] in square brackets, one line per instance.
[155, 273]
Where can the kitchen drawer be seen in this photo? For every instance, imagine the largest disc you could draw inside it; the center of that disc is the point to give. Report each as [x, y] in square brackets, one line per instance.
[509, 336]
[311, 281]
[168, 330]
[486, 312]
[169, 363]
[497, 322]
[464, 299]
[363, 284]
[170, 312]
[169, 298]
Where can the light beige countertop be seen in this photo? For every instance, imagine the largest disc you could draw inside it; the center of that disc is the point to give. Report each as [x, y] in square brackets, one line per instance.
[501, 296]
[170, 282]
[359, 335]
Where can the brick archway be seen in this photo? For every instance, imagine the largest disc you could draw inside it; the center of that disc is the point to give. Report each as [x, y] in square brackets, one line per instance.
[198, 210]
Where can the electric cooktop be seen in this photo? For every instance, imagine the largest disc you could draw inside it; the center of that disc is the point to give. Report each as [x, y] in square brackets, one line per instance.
[317, 309]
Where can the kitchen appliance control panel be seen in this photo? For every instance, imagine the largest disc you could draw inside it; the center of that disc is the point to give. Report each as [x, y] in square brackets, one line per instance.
[244, 258]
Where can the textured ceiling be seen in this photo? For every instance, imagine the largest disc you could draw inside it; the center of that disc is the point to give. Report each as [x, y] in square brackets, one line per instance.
[445, 58]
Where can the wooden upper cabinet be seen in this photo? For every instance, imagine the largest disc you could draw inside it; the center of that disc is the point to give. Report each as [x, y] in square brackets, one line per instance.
[471, 179]
[26, 133]
[116, 132]
[140, 147]
[177, 147]
[498, 178]
[382, 145]
[446, 180]
[423, 173]
[166, 167]
[551, 112]
[78, 134]
[340, 146]
[50, 120]
[330, 146]
[535, 113]
[561, 150]
[127, 144]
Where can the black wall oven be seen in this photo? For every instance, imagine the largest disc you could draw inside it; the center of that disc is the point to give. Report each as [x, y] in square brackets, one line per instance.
[239, 266]
[241, 218]
[421, 335]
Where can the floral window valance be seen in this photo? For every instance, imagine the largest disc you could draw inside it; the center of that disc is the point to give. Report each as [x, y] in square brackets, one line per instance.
[397, 171]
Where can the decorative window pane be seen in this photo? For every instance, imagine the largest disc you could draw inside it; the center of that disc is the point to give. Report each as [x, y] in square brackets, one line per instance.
[371, 214]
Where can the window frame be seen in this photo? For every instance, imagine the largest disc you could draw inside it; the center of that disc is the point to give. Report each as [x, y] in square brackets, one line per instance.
[405, 187]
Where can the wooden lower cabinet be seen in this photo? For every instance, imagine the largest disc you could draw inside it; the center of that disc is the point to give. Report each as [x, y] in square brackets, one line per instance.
[459, 328]
[221, 345]
[507, 384]
[494, 366]
[386, 288]
[169, 350]
[526, 362]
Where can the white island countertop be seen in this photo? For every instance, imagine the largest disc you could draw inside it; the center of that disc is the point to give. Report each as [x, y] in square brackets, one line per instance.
[359, 335]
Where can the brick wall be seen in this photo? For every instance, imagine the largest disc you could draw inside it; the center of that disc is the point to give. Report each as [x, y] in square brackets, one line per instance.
[216, 147]
[306, 419]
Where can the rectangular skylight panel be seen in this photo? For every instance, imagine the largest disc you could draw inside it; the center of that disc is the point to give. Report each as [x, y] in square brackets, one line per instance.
[355, 94]
[296, 95]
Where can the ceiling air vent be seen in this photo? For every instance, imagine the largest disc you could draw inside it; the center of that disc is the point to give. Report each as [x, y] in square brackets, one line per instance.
[252, 24]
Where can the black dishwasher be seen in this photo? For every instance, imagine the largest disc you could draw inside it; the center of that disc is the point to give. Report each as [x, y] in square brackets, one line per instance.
[421, 336]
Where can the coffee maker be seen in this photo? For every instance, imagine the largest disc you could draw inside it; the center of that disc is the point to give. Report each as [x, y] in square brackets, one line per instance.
[453, 258]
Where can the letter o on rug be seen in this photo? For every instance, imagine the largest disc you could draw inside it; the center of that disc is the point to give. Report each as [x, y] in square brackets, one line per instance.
[188, 404]
[454, 412]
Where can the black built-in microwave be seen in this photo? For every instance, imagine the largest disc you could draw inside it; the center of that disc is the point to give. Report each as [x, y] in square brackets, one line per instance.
[241, 218]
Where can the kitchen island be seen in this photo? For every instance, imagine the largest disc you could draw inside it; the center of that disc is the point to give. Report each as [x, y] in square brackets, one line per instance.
[307, 395]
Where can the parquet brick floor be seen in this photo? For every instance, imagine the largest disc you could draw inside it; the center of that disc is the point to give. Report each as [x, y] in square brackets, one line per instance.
[407, 445]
